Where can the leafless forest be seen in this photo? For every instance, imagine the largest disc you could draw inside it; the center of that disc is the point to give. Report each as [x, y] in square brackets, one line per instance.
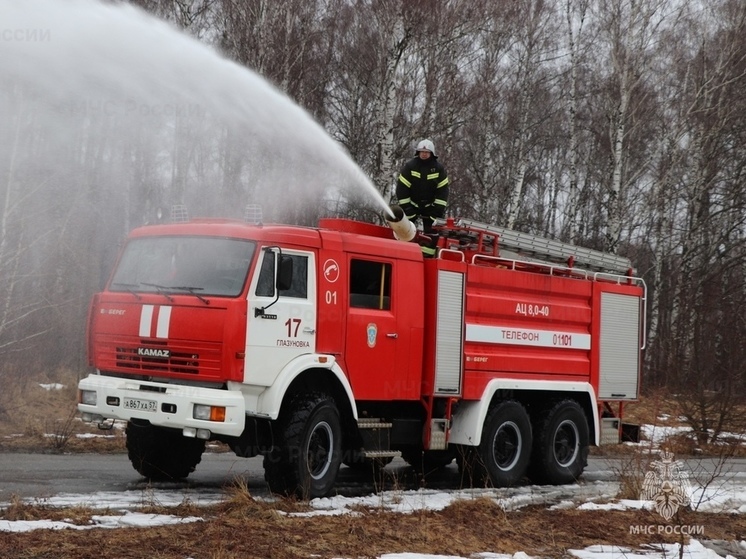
[614, 124]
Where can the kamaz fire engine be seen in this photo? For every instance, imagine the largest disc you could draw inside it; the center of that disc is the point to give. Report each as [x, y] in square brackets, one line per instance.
[341, 344]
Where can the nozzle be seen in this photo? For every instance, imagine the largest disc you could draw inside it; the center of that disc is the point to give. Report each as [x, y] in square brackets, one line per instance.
[404, 230]
[395, 215]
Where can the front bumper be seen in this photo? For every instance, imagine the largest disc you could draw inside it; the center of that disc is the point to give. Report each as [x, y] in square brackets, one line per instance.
[172, 404]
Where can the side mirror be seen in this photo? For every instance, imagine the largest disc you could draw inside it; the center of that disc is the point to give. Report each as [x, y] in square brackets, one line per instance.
[284, 273]
[283, 280]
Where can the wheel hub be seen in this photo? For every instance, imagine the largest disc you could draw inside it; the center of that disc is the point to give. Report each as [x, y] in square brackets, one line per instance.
[507, 445]
[566, 443]
[319, 450]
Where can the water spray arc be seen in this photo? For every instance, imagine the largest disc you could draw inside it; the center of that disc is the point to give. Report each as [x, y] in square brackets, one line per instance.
[89, 70]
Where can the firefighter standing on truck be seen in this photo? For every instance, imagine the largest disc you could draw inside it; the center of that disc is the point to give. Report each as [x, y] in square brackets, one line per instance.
[422, 190]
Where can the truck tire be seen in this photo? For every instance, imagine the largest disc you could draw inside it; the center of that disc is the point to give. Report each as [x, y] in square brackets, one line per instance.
[307, 455]
[162, 454]
[504, 452]
[560, 451]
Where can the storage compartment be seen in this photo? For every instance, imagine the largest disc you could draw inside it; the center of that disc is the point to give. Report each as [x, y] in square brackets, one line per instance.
[619, 351]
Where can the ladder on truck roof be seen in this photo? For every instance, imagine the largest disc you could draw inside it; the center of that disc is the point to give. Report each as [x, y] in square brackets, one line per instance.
[529, 246]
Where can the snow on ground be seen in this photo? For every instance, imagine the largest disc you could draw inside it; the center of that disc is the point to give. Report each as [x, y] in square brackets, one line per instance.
[724, 493]
[52, 386]
[655, 435]
[595, 495]
[126, 519]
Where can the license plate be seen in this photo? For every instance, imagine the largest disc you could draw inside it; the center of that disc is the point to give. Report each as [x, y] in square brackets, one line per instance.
[140, 405]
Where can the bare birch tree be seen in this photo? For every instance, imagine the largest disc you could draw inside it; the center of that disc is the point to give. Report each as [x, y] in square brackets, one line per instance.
[533, 49]
[575, 13]
[630, 29]
[398, 34]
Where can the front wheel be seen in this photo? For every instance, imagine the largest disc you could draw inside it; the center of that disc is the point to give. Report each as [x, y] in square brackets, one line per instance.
[307, 456]
[162, 454]
[560, 451]
[505, 449]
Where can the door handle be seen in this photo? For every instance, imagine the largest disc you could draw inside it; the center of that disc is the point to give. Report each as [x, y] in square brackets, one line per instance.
[309, 331]
[394, 335]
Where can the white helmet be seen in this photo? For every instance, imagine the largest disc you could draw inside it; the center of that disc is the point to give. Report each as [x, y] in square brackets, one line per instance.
[426, 145]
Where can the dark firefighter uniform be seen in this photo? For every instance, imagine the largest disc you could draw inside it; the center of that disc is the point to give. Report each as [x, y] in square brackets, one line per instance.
[422, 191]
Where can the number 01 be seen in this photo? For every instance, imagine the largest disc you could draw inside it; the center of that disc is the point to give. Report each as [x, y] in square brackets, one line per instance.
[331, 297]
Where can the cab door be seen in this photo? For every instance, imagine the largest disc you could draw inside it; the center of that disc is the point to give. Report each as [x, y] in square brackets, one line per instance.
[281, 321]
[377, 338]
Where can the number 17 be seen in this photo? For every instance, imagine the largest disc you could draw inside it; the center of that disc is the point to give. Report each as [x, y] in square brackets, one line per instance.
[289, 323]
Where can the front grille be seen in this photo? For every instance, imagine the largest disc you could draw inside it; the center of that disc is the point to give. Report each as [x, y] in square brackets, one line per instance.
[187, 363]
[173, 357]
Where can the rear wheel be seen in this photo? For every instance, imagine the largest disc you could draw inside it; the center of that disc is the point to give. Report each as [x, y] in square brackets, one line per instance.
[307, 457]
[560, 451]
[505, 449]
[162, 454]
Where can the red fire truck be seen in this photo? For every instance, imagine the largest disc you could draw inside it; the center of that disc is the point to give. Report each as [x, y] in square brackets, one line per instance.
[317, 347]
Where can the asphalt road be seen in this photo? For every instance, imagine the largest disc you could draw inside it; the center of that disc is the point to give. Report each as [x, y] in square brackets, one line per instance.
[39, 476]
[45, 475]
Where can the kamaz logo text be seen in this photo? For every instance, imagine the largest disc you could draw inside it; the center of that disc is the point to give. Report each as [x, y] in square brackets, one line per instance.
[152, 352]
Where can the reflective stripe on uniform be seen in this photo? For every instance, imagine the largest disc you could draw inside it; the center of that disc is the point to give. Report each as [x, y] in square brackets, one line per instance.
[405, 200]
[416, 174]
[443, 182]
[433, 176]
[439, 202]
[430, 251]
[404, 181]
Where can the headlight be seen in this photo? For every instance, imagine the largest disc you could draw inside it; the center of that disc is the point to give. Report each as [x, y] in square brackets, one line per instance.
[87, 397]
[209, 413]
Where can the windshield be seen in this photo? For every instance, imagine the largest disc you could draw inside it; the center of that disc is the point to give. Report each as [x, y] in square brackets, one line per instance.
[198, 265]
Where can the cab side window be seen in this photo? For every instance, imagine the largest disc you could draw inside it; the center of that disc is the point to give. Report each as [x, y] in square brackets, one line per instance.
[370, 284]
[265, 286]
[299, 286]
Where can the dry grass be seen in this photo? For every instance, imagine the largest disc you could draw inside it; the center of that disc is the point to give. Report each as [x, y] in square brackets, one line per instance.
[655, 408]
[38, 419]
[18, 510]
[244, 527]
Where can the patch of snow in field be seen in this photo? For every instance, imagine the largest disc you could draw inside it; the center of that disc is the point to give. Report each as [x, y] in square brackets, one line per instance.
[659, 433]
[94, 436]
[512, 498]
[127, 500]
[52, 386]
[127, 519]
